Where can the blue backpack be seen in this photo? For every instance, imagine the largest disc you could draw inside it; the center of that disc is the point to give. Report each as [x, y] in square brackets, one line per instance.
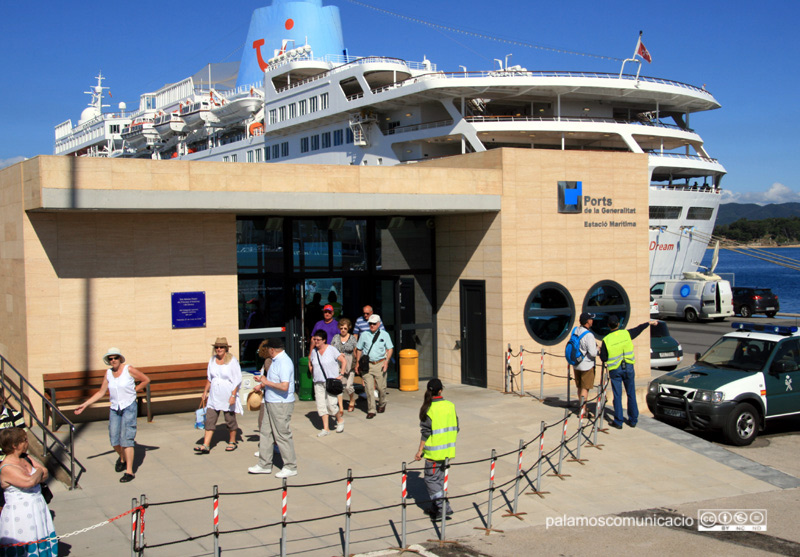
[573, 349]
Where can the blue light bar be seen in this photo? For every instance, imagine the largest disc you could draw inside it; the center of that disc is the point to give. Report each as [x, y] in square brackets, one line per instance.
[757, 327]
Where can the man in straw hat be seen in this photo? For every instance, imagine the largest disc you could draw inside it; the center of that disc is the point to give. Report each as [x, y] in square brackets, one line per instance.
[278, 385]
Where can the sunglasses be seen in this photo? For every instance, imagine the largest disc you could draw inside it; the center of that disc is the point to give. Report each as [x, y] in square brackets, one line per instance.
[113, 357]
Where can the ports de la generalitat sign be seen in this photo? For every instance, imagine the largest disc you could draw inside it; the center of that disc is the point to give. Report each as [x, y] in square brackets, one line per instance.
[599, 212]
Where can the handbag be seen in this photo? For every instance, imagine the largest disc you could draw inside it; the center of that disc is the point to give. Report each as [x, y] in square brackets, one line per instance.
[333, 386]
[363, 361]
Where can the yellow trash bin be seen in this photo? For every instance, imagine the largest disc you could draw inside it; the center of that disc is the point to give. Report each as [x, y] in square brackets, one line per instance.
[409, 370]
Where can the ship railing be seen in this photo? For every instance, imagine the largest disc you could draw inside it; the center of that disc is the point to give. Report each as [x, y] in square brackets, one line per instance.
[599, 120]
[705, 188]
[681, 156]
[241, 90]
[355, 96]
[350, 61]
[417, 127]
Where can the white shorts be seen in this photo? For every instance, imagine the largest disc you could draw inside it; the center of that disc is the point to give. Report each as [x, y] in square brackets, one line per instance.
[326, 403]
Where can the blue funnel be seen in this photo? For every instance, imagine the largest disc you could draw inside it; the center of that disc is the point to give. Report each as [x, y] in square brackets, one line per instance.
[284, 20]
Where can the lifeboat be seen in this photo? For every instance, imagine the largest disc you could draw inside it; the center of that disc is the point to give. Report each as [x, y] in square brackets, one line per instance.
[169, 124]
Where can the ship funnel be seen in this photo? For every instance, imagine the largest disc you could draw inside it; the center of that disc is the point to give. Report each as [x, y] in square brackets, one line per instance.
[301, 21]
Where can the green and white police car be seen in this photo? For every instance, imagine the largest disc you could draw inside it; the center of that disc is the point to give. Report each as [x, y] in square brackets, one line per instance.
[747, 377]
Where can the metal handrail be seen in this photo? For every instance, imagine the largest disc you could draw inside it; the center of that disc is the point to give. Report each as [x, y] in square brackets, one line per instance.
[46, 404]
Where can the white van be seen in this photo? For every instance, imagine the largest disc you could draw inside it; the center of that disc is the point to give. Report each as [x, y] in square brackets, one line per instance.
[708, 297]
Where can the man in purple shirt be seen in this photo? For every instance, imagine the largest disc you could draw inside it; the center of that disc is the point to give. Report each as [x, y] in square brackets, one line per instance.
[327, 324]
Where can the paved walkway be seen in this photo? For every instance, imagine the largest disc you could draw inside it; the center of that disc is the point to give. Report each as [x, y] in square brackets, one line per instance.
[635, 469]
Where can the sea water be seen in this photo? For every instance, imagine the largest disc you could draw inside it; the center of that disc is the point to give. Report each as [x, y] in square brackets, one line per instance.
[744, 270]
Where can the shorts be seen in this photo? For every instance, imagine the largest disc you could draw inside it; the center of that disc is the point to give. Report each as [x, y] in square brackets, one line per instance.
[122, 426]
[584, 379]
[326, 404]
[213, 415]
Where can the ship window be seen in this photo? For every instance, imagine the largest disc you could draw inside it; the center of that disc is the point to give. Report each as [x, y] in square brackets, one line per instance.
[292, 110]
[276, 153]
[323, 101]
[258, 155]
[226, 159]
[326, 140]
[266, 153]
[282, 114]
[604, 299]
[114, 128]
[664, 212]
[302, 106]
[312, 104]
[549, 313]
[304, 145]
[249, 156]
[285, 149]
[349, 135]
[700, 213]
[315, 142]
[273, 115]
[234, 158]
[338, 137]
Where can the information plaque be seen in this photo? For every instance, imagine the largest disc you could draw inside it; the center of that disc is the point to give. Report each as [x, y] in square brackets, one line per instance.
[188, 310]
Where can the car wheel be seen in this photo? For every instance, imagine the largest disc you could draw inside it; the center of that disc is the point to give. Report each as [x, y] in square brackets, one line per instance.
[770, 314]
[746, 311]
[691, 315]
[742, 425]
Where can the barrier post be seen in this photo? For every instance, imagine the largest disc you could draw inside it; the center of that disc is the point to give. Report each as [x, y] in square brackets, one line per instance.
[143, 504]
[577, 457]
[283, 519]
[134, 517]
[443, 510]
[558, 474]
[516, 484]
[489, 528]
[541, 378]
[601, 408]
[538, 491]
[521, 373]
[507, 372]
[216, 520]
[403, 495]
[569, 384]
[347, 513]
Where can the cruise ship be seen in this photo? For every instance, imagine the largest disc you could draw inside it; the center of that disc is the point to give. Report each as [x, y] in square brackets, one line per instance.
[297, 96]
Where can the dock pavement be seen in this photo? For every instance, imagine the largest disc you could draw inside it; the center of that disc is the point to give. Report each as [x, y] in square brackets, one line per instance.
[651, 466]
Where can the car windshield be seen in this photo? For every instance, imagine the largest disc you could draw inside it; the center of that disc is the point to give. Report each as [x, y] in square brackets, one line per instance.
[763, 292]
[746, 354]
[659, 331]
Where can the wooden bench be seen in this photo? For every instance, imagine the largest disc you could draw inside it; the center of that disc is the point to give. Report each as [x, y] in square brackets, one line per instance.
[68, 390]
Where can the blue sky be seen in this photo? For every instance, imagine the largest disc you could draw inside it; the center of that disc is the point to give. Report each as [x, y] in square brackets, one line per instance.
[744, 52]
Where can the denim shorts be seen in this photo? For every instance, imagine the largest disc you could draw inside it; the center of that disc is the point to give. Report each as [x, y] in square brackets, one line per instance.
[122, 426]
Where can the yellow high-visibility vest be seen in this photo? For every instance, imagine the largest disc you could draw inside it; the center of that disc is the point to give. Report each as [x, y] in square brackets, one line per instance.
[620, 348]
[444, 425]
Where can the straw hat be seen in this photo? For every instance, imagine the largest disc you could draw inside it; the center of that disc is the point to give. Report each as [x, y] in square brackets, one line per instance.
[221, 342]
[254, 400]
[113, 352]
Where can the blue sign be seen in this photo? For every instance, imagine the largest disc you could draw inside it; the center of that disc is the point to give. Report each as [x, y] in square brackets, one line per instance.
[188, 310]
[685, 290]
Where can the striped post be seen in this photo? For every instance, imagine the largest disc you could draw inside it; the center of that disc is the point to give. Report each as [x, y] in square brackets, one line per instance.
[538, 491]
[489, 528]
[600, 410]
[558, 474]
[443, 510]
[403, 495]
[215, 502]
[507, 370]
[283, 519]
[541, 377]
[143, 503]
[134, 516]
[521, 374]
[578, 458]
[347, 512]
[516, 483]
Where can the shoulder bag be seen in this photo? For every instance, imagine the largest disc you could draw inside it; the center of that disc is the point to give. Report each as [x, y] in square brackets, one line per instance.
[363, 361]
[333, 386]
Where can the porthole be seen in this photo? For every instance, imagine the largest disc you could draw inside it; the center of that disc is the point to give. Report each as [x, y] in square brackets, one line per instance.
[604, 299]
[549, 313]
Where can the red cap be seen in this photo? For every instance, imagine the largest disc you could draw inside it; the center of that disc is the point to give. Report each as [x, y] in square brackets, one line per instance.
[327, 307]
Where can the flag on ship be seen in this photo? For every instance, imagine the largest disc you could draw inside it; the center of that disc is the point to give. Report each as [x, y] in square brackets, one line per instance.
[642, 51]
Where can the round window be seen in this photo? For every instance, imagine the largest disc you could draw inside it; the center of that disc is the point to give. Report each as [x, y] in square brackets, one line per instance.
[549, 313]
[607, 298]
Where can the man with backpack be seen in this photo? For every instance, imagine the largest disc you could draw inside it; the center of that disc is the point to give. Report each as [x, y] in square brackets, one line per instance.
[587, 346]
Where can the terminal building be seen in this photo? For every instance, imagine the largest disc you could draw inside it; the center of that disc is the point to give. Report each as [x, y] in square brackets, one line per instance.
[462, 257]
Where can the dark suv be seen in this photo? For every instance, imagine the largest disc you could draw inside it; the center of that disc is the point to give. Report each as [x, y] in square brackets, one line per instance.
[747, 301]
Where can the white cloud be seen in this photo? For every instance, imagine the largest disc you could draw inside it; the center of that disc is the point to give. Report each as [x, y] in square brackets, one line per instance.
[777, 193]
[8, 162]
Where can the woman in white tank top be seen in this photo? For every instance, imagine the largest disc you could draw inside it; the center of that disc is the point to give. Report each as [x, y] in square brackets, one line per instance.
[120, 382]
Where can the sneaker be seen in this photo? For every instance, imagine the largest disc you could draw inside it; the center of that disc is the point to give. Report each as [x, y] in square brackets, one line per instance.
[340, 427]
[323, 433]
[286, 473]
[258, 469]
[257, 454]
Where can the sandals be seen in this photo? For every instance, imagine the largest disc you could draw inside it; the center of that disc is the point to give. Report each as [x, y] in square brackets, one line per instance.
[231, 447]
[352, 406]
[202, 449]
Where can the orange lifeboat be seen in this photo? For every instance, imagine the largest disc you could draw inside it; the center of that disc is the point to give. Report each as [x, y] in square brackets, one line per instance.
[256, 128]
